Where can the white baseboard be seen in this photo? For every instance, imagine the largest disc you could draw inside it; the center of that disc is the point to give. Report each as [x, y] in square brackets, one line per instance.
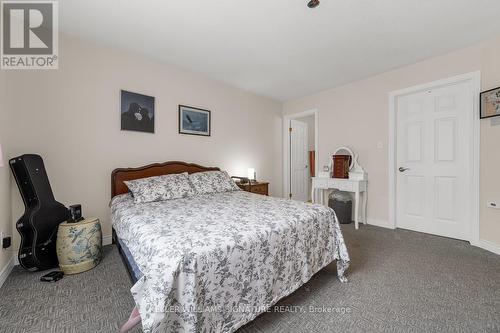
[487, 245]
[4, 273]
[484, 244]
[380, 223]
[107, 240]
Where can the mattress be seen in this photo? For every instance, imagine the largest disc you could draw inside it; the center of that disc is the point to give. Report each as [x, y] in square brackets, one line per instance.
[215, 262]
[133, 269]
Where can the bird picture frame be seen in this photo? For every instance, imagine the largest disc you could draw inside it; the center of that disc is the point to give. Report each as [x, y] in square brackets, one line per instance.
[194, 121]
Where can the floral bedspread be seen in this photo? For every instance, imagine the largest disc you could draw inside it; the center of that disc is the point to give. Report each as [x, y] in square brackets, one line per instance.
[212, 263]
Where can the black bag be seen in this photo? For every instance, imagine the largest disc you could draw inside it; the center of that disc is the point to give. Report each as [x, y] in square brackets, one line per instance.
[343, 210]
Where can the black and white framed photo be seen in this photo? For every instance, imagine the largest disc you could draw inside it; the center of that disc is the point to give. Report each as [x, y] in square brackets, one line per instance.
[137, 112]
[490, 103]
[194, 121]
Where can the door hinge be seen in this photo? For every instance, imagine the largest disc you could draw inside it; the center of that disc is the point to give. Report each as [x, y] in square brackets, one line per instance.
[289, 129]
[290, 195]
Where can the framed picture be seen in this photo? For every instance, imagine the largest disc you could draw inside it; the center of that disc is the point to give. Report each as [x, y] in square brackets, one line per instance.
[490, 103]
[137, 112]
[194, 121]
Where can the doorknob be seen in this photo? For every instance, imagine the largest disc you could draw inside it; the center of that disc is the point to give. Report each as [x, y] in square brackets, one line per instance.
[401, 169]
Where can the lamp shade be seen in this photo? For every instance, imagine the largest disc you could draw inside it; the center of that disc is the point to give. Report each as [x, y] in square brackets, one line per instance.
[1, 157]
[251, 173]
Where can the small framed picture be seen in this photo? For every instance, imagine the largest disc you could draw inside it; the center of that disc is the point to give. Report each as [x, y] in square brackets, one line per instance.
[194, 121]
[490, 103]
[137, 112]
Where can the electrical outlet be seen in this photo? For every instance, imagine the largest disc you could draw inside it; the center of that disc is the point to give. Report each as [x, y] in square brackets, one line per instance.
[492, 204]
[7, 242]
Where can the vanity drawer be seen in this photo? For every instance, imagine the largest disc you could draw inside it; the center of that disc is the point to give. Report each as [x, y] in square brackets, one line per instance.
[342, 185]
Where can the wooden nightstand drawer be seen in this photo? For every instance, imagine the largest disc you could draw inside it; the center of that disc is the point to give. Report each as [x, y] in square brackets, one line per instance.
[258, 188]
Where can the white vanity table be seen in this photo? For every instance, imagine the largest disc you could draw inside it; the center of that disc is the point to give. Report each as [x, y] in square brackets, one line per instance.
[358, 187]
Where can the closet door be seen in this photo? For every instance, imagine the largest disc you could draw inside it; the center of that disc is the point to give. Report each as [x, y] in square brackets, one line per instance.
[299, 171]
[434, 148]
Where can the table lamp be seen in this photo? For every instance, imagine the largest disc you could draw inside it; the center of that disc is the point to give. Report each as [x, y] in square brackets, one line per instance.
[251, 174]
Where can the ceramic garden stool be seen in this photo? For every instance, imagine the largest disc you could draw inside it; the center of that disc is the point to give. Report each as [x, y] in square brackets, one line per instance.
[79, 245]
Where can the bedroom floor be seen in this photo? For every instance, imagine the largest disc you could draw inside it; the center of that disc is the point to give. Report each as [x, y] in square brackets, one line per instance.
[399, 281]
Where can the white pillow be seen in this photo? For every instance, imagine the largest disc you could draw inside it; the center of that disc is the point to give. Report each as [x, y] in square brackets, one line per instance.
[212, 182]
[159, 188]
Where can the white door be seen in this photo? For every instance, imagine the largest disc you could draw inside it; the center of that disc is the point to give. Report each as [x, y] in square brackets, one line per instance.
[434, 152]
[299, 171]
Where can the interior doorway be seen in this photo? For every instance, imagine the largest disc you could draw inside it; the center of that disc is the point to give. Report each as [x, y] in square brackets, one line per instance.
[300, 143]
[433, 151]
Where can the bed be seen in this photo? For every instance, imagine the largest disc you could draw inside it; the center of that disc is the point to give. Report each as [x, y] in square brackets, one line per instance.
[214, 262]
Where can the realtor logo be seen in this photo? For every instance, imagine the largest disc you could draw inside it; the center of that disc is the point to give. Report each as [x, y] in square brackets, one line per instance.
[29, 38]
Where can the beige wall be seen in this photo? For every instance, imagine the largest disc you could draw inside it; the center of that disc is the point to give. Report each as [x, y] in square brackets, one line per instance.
[357, 115]
[5, 202]
[71, 117]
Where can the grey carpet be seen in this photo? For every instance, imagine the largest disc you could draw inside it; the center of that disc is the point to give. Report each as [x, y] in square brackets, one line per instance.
[399, 281]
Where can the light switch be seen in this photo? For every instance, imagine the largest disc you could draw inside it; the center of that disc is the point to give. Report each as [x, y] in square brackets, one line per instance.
[380, 145]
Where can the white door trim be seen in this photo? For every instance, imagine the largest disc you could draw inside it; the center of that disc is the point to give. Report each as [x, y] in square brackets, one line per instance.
[475, 79]
[286, 146]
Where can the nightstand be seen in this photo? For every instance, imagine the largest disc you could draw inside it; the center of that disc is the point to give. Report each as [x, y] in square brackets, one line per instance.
[255, 187]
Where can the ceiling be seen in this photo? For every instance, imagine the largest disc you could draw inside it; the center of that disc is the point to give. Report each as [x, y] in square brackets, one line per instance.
[281, 48]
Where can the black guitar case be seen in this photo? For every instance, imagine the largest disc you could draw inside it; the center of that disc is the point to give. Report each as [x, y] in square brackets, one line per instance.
[42, 216]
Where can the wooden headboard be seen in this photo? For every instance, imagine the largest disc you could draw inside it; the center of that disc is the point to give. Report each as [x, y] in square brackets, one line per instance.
[118, 176]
